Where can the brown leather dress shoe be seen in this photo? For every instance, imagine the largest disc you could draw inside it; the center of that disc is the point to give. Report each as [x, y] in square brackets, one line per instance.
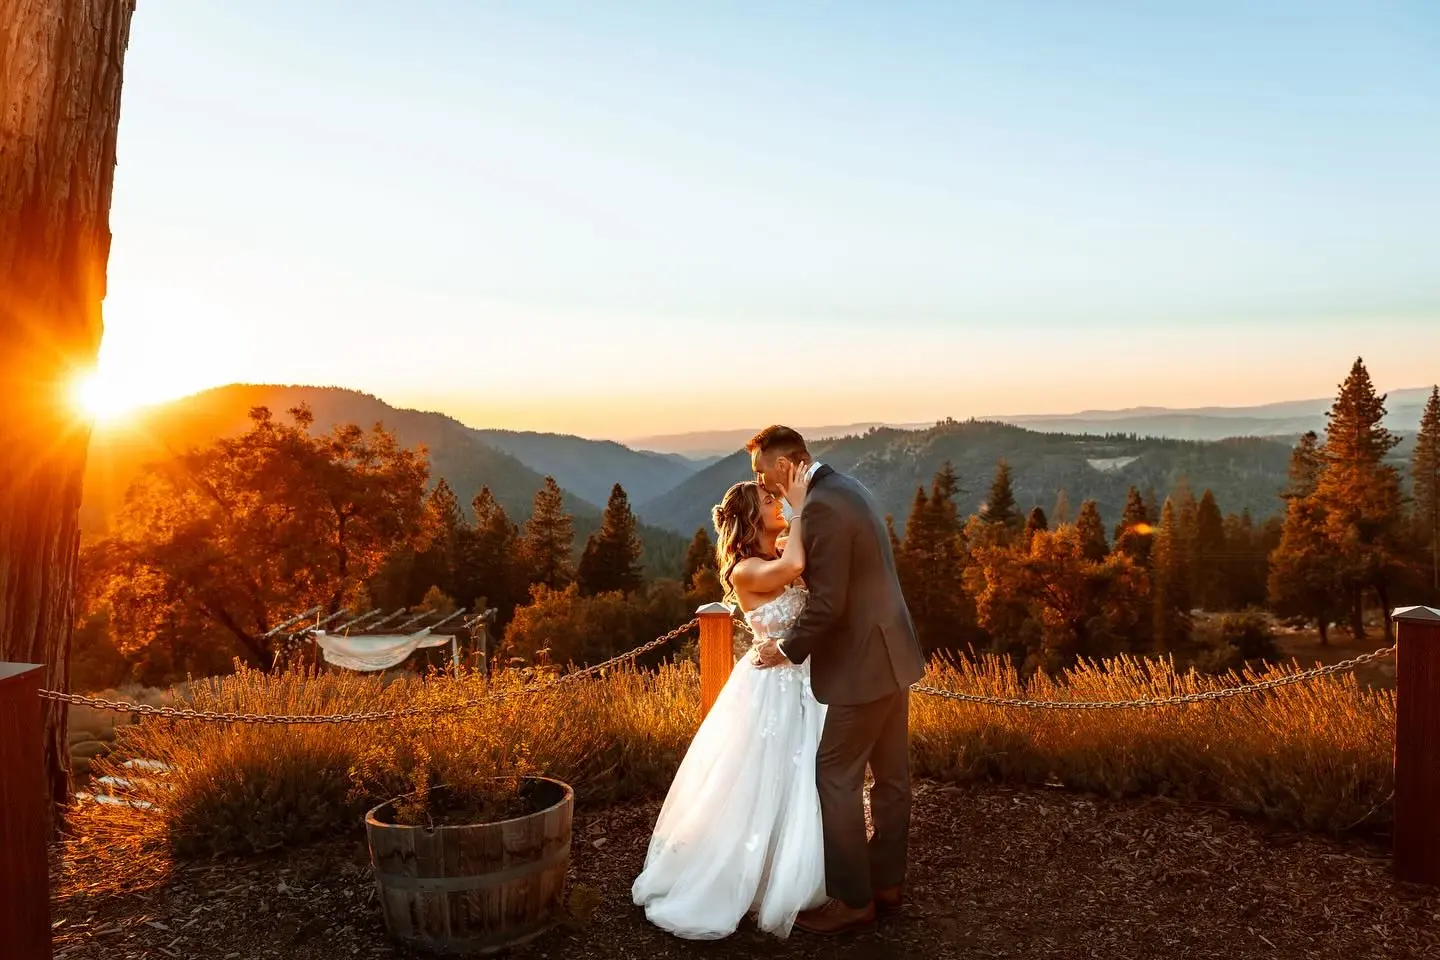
[889, 901]
[833, 917]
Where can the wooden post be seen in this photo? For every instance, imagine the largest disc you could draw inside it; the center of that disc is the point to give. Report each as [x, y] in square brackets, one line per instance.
[1417, 744]
[24, 798]
[717, 655]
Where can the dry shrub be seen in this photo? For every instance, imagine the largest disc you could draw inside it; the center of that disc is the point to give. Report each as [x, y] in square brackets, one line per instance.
[1315, 755]
[254, 787]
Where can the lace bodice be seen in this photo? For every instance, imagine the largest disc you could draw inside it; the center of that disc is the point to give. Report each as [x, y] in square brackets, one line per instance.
[775, 617]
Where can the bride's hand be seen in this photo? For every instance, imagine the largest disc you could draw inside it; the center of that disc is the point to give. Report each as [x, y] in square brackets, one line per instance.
[794, 491]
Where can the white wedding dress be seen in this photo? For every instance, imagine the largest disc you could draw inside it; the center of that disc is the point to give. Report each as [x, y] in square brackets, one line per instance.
[740, 828]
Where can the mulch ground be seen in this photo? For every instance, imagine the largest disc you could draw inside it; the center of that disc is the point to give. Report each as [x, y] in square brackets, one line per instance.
[996, 872]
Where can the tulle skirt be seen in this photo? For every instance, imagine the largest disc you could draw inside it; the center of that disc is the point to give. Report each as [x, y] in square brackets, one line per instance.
[740, 828]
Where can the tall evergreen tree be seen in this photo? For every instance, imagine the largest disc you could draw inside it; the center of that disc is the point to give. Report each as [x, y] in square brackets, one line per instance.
[1170, 583]
[493, 566]
[1305, 579]
[1305, 466]
[548, 543]
[1152, 507]
[439, 563]
[700, 555]
[1211, 554]
[1091, 530]
[1000, 509]
[1135, 533]
[1425, 482]
[611, 560]
[1360, 493]
[1061, 514]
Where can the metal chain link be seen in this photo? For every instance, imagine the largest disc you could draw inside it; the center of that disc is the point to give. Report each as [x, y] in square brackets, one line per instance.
[184, 713]
[1145, 702]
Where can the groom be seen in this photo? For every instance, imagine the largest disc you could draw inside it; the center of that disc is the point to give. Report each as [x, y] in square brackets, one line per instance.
[858, 631]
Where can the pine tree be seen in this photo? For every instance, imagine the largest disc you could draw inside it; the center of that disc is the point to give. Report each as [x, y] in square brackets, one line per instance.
[1091, 530]
[1135, 533]
[1305, 466]
[1211, 555]
[549, 539]
[699, 556]
[1061, 514]
[611, 560]
[1000, 509]
[931, 561]
[1170, 590]
[438, 565]
[1360, 493]
[1035, 523]
[492, 560]
[1425, 481]
[1305, 578]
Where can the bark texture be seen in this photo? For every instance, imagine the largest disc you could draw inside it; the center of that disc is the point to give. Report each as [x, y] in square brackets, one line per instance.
[60, 77]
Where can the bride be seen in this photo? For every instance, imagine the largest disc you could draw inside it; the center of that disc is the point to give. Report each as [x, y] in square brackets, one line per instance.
[740, 829]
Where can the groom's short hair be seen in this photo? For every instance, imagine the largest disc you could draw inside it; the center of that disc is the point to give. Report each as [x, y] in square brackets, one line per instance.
[781, 441]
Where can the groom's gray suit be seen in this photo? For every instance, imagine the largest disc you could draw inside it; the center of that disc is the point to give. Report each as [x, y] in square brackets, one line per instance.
[857, 633]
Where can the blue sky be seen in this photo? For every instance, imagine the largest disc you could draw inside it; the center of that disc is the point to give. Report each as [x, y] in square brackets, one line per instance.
[621, 218]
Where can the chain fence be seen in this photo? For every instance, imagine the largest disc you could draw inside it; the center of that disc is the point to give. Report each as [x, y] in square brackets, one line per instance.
[184, 713]
[1224, 693]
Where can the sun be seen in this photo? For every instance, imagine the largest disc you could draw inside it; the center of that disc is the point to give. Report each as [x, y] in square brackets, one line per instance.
[98, 398]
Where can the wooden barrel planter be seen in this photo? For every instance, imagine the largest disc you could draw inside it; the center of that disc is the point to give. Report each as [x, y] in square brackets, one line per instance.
[474, 889]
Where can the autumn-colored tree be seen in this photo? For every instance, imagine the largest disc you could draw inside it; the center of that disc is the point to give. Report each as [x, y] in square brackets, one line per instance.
[1170, 584]
[1360, 494]
[578, 629]
[1091, 531]
[1305, 467]
[699, 556]
[1245, 572]
[1425, 483]
[1135, 533]
[1054, 594]
[611, 560]
[549, 538]
[1061, 514]
[237, 536]
[61, 63]
[1306, 580]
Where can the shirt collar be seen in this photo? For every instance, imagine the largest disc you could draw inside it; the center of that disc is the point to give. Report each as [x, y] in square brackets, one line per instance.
[810, 472]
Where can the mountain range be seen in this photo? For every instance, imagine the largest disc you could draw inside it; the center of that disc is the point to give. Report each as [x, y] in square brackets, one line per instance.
[1286, 419]
[1240, 453]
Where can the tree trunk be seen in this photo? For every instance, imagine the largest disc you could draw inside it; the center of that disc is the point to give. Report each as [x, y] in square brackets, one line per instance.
[1357, 615]
[1324, 632]
[60, 73]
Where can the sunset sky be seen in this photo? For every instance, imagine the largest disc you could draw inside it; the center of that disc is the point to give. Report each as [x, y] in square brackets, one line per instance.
[616, 219]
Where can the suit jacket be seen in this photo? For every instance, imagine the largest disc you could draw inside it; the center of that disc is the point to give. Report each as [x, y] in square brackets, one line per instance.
[855, 629]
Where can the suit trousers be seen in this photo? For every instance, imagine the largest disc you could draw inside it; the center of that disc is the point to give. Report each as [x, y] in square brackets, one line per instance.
[878, 734]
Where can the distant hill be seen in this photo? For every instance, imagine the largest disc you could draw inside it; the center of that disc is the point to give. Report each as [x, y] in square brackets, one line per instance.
[1285, 419]
[589, 468]
[457, 453]
[1243, 473]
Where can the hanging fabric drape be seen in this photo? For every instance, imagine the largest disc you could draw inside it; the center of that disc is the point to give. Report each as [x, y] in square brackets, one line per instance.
[376, 651]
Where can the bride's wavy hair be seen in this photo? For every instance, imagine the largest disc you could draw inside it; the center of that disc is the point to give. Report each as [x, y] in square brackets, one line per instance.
[739, 526]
